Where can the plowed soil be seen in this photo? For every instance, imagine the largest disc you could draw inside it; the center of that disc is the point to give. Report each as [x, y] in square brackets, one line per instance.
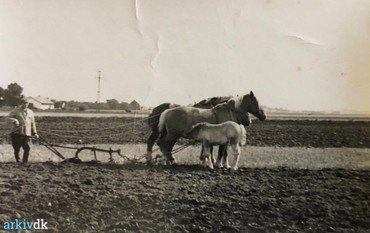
[137, 198]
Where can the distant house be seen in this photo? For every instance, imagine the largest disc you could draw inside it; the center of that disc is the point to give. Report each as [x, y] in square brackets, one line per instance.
[42, 103]
[60, 104]
[134, 105]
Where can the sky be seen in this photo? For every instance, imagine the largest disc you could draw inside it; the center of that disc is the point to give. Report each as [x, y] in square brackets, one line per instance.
[299, 55]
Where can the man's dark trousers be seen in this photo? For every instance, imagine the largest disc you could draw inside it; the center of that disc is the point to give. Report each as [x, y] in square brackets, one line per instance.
[18, 141]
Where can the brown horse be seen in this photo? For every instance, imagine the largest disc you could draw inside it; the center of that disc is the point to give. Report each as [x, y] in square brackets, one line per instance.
[176, 122]
[153, 121]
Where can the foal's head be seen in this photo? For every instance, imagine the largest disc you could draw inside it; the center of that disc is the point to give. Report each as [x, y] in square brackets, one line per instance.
[194, 131]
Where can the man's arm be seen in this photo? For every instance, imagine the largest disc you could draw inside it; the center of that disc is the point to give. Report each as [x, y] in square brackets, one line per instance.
[33, 126]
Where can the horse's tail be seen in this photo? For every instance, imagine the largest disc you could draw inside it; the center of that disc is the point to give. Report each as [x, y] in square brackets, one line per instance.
[243, 141]
[162, 122]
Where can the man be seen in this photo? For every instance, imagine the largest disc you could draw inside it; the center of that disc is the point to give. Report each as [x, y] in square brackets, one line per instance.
[25, 126]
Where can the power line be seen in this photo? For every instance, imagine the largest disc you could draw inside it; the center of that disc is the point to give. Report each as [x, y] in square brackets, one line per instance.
[98, 99]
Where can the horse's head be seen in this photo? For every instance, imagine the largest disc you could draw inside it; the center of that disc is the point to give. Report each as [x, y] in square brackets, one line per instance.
[247, 104]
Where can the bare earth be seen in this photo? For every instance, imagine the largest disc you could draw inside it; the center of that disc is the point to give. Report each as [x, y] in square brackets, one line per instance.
[137, 198]
[93, 197]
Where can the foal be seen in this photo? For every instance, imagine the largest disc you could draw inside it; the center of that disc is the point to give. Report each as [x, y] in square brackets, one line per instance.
[219, 134]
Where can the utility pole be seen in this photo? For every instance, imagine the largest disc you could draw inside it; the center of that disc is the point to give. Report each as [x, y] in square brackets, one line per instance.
[98, 100]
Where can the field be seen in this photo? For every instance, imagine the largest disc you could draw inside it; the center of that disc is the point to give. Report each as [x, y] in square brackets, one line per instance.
[287, 133]
[295, 176]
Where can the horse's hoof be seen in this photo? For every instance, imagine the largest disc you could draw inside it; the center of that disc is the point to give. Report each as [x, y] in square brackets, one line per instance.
[235, 168]
[148, 155]
[149, 162]
[170, 163]
[218, 165]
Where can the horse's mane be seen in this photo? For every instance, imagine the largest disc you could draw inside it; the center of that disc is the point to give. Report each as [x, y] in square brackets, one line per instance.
[238, 101]
[213, 101]
[233, 103]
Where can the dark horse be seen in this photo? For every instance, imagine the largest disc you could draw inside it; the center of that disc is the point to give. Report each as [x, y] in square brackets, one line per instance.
[153, 121]
[177, 122]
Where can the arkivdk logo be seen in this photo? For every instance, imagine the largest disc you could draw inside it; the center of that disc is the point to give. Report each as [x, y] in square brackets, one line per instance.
[23, 224]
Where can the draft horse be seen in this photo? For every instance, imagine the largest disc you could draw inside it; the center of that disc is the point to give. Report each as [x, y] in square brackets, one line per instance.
[176, 122]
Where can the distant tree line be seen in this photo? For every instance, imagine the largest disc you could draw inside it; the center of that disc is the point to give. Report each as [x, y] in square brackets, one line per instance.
[111, 104]
[12, 95]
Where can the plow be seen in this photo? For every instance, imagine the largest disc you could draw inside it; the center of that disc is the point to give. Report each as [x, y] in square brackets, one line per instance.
[110, 151]
[52, 148]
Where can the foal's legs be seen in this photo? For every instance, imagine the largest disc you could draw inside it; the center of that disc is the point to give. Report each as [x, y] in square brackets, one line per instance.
[202, 154]
[207, 152]
[211, 153]
[219, 157]
[225, 162]
[236, 151]
[222, 157]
